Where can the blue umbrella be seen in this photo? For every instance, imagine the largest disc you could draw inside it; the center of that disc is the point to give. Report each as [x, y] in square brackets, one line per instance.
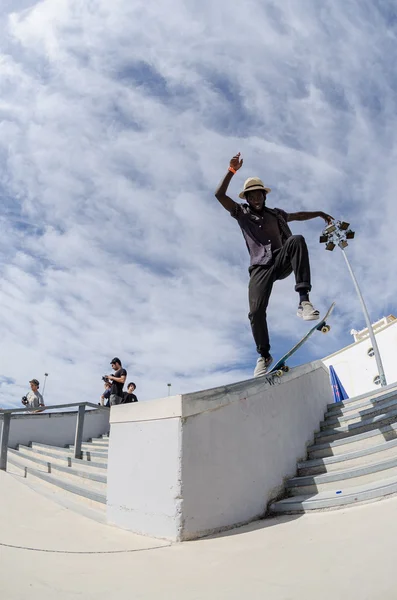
[338, 390]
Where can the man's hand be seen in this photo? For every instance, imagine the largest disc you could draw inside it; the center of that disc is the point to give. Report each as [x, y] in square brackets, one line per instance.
[327, 218]
[110, 377]
[236, 163]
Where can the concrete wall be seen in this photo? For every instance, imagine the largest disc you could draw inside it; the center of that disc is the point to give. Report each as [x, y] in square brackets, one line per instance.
[144, 476]
[357, 370]
[57, 429]
[183, 467]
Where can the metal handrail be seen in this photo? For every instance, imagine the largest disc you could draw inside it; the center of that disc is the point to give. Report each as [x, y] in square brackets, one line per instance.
[41, 408]
[6, 414]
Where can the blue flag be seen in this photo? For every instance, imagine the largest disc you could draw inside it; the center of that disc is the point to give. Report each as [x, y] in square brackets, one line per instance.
[338, 390]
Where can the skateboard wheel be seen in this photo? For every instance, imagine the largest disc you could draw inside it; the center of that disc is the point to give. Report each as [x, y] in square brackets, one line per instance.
[285, 368]
[279, 373]
[325, 329]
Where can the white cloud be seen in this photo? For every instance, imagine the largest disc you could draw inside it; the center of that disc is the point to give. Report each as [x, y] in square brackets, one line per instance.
[117, 122]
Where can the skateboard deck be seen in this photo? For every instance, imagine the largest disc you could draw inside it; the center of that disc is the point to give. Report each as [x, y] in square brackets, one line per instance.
[280, 366]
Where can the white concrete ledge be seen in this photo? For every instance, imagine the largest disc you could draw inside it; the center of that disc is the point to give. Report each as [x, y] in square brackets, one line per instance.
[186, 466]
[162, 408]
[206, 400]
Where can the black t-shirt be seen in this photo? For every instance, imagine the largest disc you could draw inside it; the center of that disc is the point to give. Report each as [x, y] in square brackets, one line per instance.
[264, 232]
[117, 387]
[127, 398]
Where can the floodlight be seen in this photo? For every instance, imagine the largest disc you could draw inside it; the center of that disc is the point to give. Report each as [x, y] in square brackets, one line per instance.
[337, 233]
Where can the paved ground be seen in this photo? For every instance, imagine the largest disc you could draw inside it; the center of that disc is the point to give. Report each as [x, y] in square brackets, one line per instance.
[47, 551]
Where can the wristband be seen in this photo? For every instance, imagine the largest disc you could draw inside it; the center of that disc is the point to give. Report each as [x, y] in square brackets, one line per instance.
[232, 170]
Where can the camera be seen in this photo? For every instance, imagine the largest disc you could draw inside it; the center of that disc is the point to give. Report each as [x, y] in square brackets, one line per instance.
[105, 379]
[24, 399]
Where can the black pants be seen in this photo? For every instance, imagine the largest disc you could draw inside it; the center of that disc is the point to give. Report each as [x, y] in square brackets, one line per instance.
[293, 256]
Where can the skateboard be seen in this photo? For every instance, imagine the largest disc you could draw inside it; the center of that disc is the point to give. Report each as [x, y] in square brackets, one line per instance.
[281, 367]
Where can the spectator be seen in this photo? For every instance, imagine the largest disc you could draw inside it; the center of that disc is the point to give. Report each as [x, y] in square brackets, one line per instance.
[129, 395]
[33, 399]
[117, 380]
[104, 400]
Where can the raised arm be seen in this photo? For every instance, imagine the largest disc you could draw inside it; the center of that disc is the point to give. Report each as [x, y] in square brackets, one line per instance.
[306, 216]
[235, 164]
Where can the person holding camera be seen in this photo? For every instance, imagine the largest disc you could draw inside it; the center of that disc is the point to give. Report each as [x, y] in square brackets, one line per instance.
[117, 380]
[33, 399]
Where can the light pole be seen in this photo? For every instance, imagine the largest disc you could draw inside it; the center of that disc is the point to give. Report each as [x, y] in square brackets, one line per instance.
[169, 389]
[45, 380]
[337, 233]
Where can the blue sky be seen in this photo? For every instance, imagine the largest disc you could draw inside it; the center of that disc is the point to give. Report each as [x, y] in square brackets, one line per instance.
[117, 120]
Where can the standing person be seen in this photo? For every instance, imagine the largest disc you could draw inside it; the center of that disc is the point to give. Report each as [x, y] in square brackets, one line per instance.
[33, 399]
[117, 380]
[129, 395]
[274, 254]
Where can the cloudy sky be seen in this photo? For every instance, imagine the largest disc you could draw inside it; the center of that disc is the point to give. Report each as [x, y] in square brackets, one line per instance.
[118, 119]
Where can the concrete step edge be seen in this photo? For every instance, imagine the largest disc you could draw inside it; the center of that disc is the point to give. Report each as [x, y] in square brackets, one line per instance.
[15, 457]
[69, 487]
[94, 445]
[323, 500]
[368, 395]
[368, 423]
[347, 474]
[328, 460]
[383, 407]
[68, 477]
[364, 405]
[340, 411]
[353, 438]
[67, 458]
[90, 449]
[65, 451]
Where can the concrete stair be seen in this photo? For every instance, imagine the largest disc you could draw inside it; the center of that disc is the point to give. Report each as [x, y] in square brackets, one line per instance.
[353, 458]
[79, 484]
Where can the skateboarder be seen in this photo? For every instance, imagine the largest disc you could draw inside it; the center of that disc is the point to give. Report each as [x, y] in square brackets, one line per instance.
[274, 254]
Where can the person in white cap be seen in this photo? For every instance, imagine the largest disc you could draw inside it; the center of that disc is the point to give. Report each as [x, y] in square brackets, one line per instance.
[274, 254]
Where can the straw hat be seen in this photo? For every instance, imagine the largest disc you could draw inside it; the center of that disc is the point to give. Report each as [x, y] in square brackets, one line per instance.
[251, 184]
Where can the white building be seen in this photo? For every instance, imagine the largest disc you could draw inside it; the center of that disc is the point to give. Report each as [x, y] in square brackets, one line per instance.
[356, 366]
